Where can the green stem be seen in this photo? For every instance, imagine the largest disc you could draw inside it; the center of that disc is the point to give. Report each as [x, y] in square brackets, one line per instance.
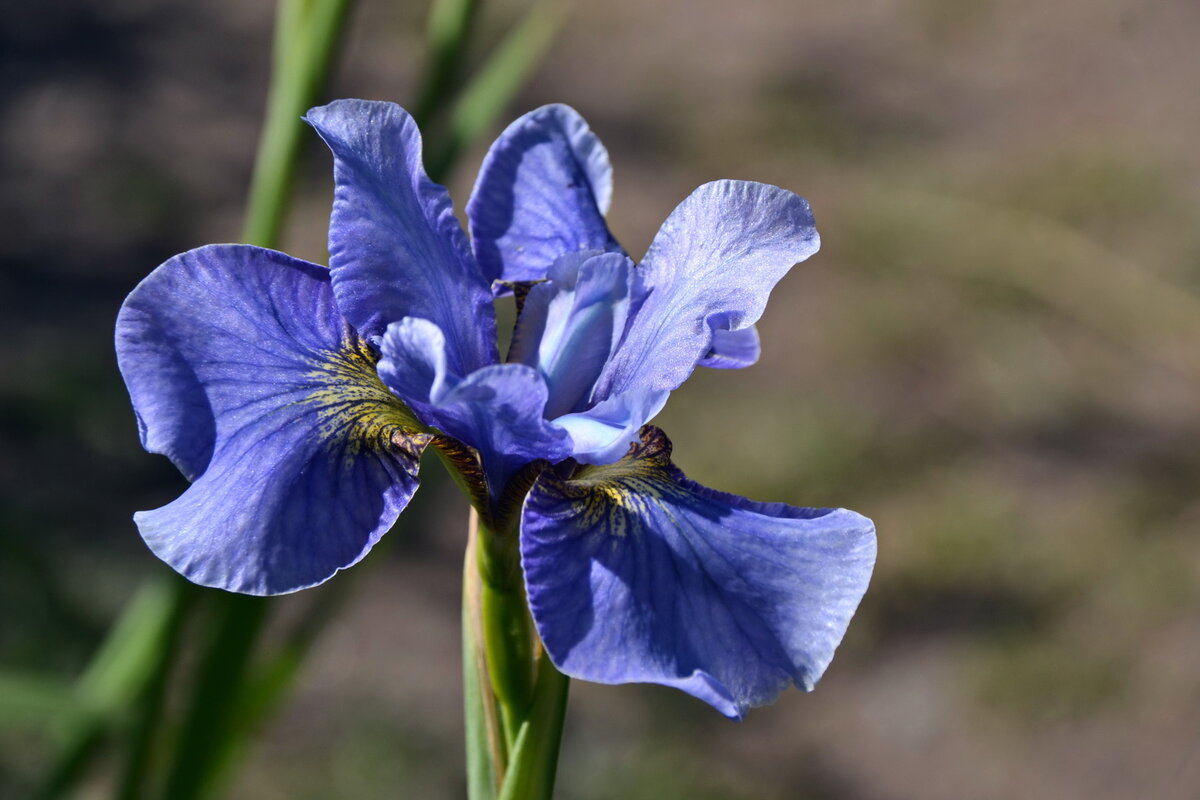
[486, 751]
[533, 764]
[306, 39]
[508, 639]
[307, 36]
[497, 82]
[530, 711]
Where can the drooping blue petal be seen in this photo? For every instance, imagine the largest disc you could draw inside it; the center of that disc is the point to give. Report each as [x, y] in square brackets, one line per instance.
[542, 192]
[732, 349]
[242, 370]
[498, 409]
[711, 266]
[637, 574]
[395, 247]
[571, 323]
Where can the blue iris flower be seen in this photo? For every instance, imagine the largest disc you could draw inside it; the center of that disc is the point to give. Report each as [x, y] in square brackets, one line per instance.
[298, 400]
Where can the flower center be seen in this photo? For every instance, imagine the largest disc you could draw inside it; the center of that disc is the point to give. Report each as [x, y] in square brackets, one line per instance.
[571, 324]
[353, 404]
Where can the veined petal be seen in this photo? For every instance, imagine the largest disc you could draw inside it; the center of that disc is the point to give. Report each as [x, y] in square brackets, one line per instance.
[636, 574]
[498, 410]
[711, 266]
[395, 246]
[242, 371]
[542, 192]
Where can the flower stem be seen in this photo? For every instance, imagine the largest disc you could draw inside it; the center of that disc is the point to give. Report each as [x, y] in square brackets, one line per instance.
[508, 639]
[533, 763]
[528, 695]
[486, 751]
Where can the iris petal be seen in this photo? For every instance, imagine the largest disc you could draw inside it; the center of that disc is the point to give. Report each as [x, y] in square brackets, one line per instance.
[603, 433]
[498, 409]
[732, 349]
[395, 246]
[571, 323]
[636, 574]
[542, 192]
[711, 266]
[309, 457]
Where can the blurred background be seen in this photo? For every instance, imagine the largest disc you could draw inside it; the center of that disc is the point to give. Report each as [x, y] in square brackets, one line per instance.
[996, 356]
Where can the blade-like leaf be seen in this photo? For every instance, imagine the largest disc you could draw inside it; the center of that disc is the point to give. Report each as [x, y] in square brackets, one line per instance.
[498, 81]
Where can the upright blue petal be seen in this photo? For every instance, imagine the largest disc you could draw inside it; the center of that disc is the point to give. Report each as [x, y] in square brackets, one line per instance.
[542, 192]
[571, 323]
[395, 246]
[498, 410]
[637, 574]
[711, 266]
[242, 370]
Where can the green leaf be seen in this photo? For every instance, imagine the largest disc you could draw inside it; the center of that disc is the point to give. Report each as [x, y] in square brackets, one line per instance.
[450, 25]
[31, 701]
[125, 663]
[145, 735]
[498, 81]
[216, 689]
[307, 35]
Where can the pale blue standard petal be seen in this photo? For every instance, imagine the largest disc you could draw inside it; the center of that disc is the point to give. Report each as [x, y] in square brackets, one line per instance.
[603, 433]
[395, 247]
[242, 370]
[711, 267]
[542, 192]
[498, 409]
[637, 574]
[571, 323]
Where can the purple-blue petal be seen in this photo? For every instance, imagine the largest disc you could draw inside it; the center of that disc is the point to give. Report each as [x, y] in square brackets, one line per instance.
[636, 574]
[413, 364]
[542, 192]
[395, 247]
[498, 410]
[242, 370]
[732, 349]
[571, 323]
[604, 432]
[711, 266]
